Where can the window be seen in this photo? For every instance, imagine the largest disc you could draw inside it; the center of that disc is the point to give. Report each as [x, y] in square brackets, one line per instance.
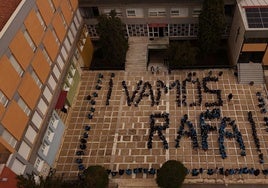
[76, 21]
[42, 106]
[60, 62]
[56, 72]
[52, 83]
[38, 164]
[24, 150]
[70, 78]
[3, 99]
[157, 12]
[52, 5]
[37, 120]
[63, 20]
[54, 121]
[47, 93]
[30, 134]
[67, 44]
[18, 167]
[56, 37]
[70, 36]
[131, 13]
[73, 28]
[174, 12]
[36, 79]
[50, 135]
[72, 69]
[64, 53]
[29, 40]
[16, 65]
[178, 12]
[44, 148]
[196, 12]
[9, 138]
[69, 5]
[41, 20]
[24, 106]
[46, 56]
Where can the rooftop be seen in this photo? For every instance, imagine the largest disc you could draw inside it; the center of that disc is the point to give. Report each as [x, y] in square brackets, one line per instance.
[6, 10]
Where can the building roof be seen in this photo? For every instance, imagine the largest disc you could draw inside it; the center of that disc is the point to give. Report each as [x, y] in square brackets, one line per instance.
[99, 2]
[253, 3]
[7, 7]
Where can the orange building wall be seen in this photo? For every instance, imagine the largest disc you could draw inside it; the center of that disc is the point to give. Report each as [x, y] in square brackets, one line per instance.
[66, 12]
[41, 66]
[74, 4]
[29, 90]
[2, 110]
[45, 10]
[265, 58]
[15, 120]
[6, 146]
[59, 27]
[56, 3]
[21, 50]
[254, 47]
[9, 78]
[34, 27]
[50, 45]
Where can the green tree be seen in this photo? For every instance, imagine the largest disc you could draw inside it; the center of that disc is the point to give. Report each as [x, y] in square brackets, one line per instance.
[171, 174]
[95, 176]
[50, 181]
[113, 43]
[181, 54]
[211, 26]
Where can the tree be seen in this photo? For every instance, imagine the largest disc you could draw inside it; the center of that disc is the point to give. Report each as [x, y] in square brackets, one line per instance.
[95, 176]
[171, 174]
[211, 26]
[50, 181]
[113, 43]
[181, 54]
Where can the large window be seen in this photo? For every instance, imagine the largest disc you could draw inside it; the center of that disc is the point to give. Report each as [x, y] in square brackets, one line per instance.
[46, 56]
[24, 106]
[3, 99]
[30, 134]
[29, 40]
[55, 36]
[37, 120]
[9, 138]
[178, 12]
[24, 150]
[135, 13]
[36, 79]
[42, 106]
[63, 20]
[16, 65]
[157, 12]
[41, 20]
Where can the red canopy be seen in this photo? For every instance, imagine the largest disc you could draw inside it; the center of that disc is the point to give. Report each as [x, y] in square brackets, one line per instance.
[61, 100]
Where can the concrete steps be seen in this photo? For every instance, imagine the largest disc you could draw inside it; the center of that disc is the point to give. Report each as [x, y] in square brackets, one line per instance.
[248, 72]
[136, 58]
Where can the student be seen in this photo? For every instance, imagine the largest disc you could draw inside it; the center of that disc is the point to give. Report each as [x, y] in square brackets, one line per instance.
[230, 96]
[152, 69]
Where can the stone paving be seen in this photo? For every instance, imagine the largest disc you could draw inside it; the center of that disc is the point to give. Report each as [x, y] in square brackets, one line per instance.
[119, 133]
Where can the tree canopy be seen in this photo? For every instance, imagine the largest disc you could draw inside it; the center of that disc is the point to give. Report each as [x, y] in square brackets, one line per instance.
[171, 174]
[211, 26]
[181, 54]
[96, 176]
[113, 43]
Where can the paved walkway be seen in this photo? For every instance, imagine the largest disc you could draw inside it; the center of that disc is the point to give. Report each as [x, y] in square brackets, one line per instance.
[119, 134]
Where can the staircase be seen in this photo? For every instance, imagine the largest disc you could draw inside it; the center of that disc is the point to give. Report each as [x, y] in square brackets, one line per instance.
[136, 58]
[248, 72]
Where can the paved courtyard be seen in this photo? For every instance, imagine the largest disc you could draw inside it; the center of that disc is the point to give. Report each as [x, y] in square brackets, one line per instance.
[119, 133]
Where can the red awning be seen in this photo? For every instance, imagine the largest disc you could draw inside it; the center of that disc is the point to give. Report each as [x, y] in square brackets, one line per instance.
[8, 178]
[61, 100]
[158, 25]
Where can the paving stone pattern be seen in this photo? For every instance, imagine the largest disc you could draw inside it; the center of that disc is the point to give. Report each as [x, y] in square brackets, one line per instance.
[119, 133]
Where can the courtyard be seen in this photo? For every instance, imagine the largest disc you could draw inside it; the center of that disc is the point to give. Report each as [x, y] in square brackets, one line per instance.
[119, 130]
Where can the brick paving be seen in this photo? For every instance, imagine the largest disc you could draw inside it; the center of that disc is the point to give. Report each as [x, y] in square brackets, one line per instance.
[119, 133]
